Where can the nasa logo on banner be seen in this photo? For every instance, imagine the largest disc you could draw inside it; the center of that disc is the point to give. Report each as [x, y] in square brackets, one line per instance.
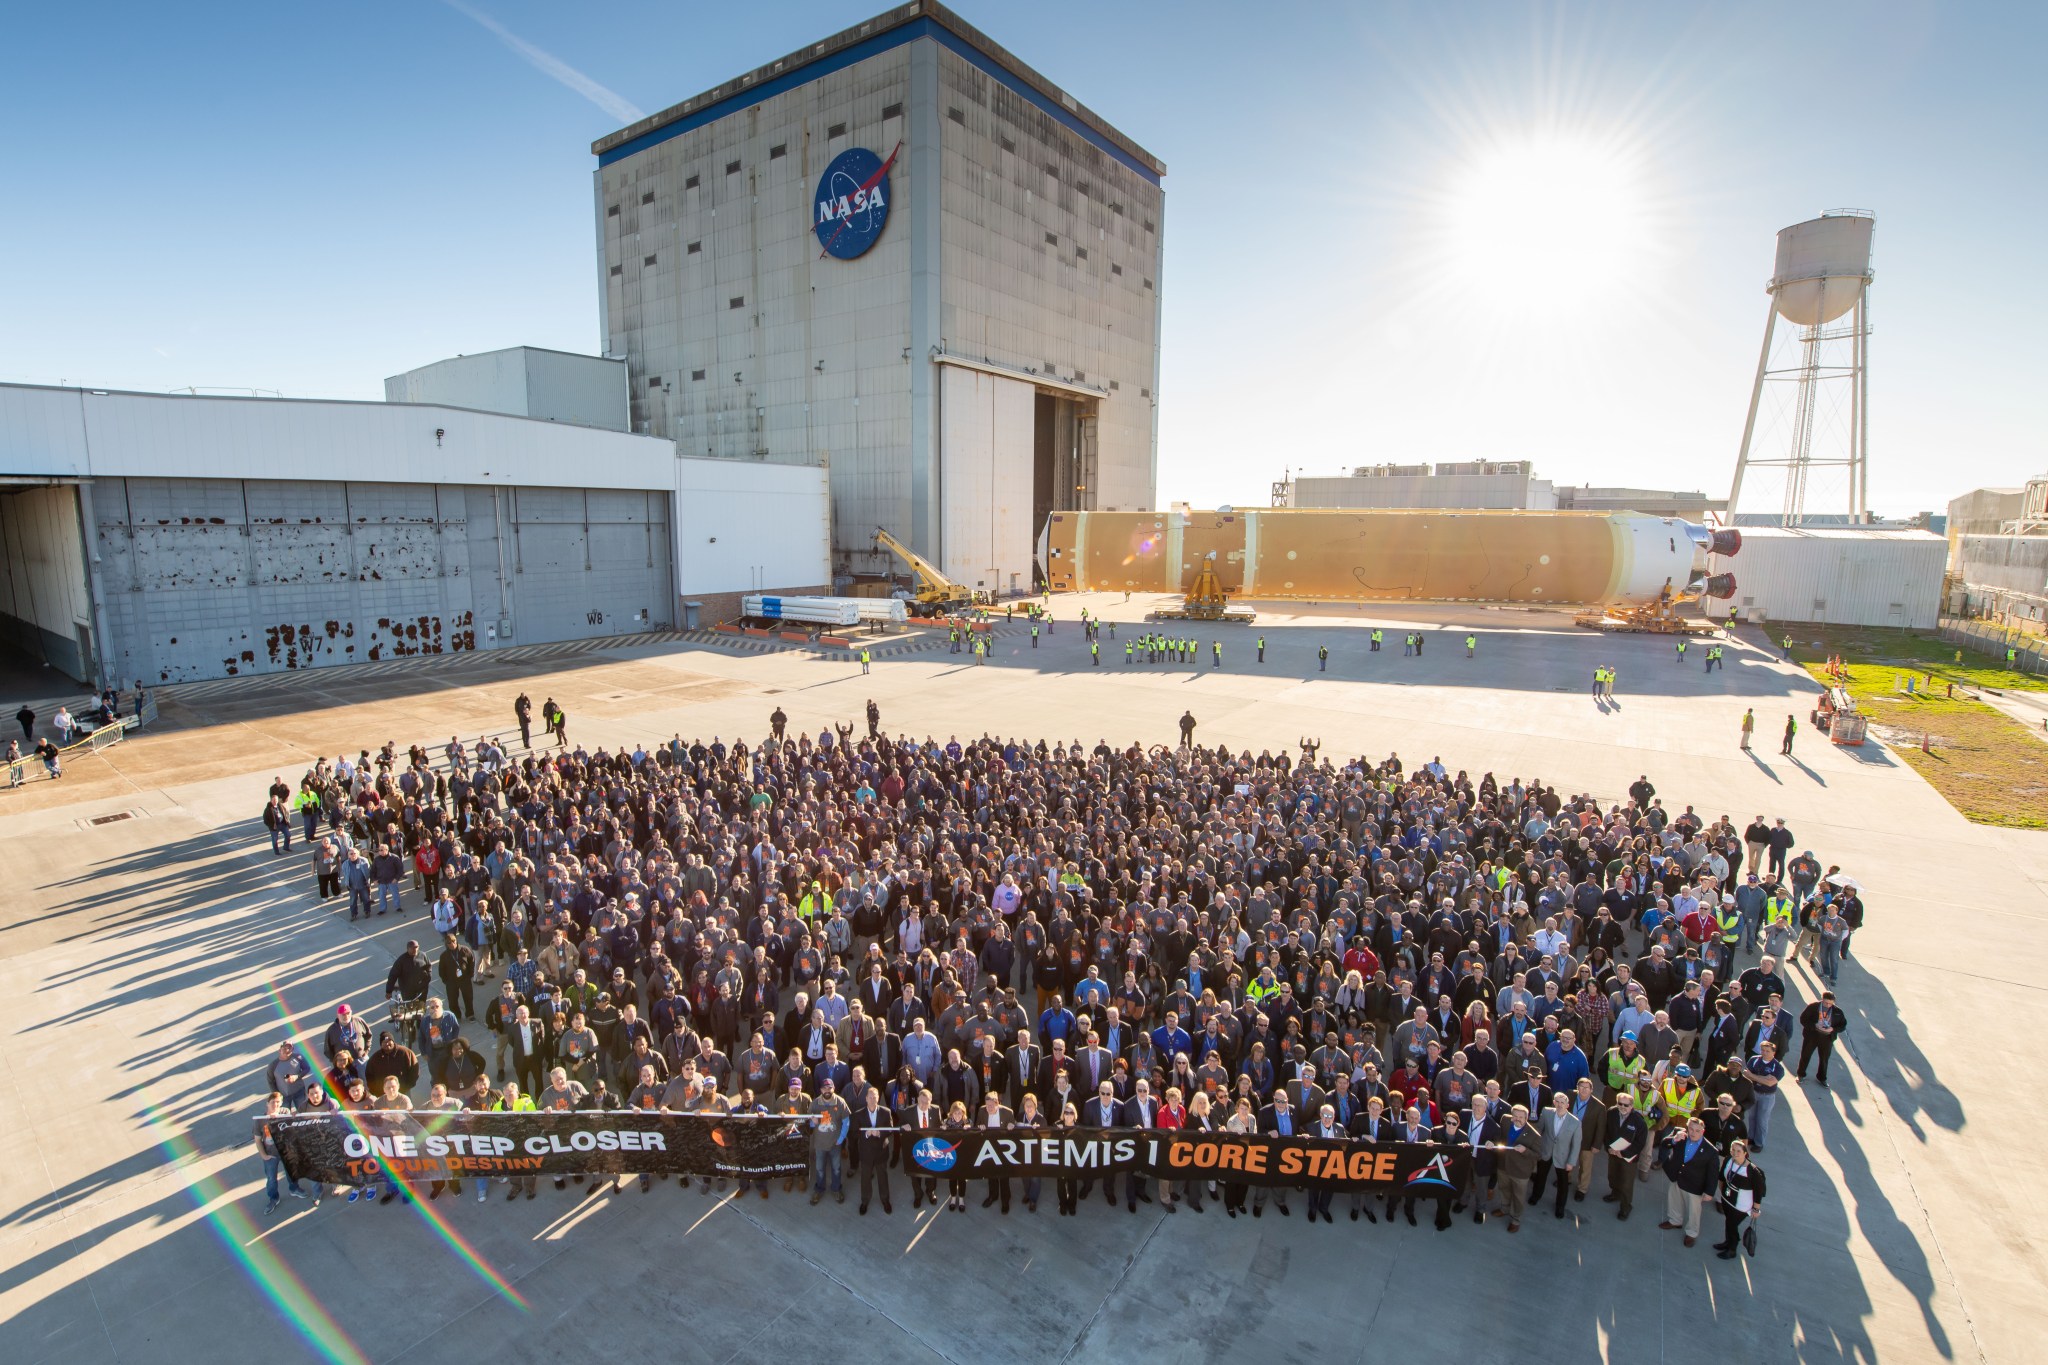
[935, 1155]
[851, 206]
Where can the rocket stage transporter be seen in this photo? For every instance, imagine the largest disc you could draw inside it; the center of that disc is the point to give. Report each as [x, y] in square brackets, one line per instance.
[1565, 559]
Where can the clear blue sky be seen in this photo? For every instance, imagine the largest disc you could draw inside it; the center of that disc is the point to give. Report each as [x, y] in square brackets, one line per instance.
[1394, 231]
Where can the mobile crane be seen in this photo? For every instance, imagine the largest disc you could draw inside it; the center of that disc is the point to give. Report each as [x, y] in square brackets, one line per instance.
[936, 594]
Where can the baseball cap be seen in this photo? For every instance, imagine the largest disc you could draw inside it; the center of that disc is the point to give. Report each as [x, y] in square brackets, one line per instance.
[341, 1011]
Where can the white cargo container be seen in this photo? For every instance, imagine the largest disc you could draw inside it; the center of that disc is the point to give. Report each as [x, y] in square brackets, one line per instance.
[1838, 576]
[811, 611]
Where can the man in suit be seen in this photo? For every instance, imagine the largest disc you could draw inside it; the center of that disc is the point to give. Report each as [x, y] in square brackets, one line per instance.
[1021, 1065]
[1322, 1192]
[1627, 1135]
[1103, 1111]
[923, 1121]
[875, 993]
[1370, 1125]
[1520, 1144]
[874, 1146]
[1139, 1111]
[1557, 1149]
[1411, 1128]
[1693, 1167]
[997, 1115]
[528, 1039]
[1277, 1119]
[1478, 1132]
[1304, 1094]
[1094, 1065]
[1056, 1062]
[1591, 1113]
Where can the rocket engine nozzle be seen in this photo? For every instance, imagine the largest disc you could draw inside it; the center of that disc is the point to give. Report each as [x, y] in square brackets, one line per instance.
[1721, 585]
[1727, 542]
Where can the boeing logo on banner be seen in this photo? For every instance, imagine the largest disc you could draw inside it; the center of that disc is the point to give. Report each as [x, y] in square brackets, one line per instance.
[853, 202]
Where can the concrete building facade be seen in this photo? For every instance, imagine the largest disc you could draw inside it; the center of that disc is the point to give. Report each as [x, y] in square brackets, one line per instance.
[171, 539]
[902, 255]
[523, 381]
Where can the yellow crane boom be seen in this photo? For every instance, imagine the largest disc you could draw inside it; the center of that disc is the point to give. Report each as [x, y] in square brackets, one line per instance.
[936, 593]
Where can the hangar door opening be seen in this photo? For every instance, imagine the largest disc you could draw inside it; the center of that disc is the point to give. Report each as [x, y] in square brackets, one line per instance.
[1063, 459]
[45, 596]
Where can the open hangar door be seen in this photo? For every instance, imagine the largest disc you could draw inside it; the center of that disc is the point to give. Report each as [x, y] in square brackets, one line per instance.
[45, 596]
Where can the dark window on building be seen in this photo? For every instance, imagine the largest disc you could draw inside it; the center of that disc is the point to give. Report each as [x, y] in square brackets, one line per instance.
[1082, 188]
[612, 212]
[1080, 376]
[1053, 171]
[618, 270]
[836, 130]
[653, 381]
[1114, 385]
[1052, 239]
[691, 183]
[1117, 209]
[1006, 144]
[778, 151]
[732, 168]
[739, 302]
[957, 116]
[648, 197]
[1149, 227]
[1051, 368]
[697, 374]
[1144, 393]
[1080, 253]
[892, 111]
[1148, 284]
[1116, 270]
[648, 261]
[693, 248]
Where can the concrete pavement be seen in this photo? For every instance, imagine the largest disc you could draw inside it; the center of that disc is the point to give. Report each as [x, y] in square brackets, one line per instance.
[153, 963]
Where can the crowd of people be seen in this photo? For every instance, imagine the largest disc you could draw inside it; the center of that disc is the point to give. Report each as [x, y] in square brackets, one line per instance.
[888, 935]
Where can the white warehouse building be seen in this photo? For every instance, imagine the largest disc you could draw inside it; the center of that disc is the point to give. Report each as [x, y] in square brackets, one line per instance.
[1837, 576]
[167, 538]
[903, 255]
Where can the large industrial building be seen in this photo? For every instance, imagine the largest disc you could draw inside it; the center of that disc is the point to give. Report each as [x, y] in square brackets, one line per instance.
[1480, 486]
[905, 256]
[168, 538]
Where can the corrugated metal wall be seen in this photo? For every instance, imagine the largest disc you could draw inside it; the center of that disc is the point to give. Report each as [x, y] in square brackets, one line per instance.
[985, 478]
[204, 578]
[1846, 578]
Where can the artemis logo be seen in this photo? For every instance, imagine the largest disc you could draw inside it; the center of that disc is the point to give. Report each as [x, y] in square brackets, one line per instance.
[853, 202]
[935, 1155]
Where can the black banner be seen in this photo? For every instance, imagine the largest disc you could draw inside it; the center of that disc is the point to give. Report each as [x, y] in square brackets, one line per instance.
[355, 1148]
[1089, 1153]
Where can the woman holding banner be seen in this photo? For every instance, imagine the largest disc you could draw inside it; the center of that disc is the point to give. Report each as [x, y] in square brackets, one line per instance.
[1242, 1121]
[1069, 1189]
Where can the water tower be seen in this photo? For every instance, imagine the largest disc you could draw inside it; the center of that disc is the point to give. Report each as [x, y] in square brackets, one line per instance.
[1817, 417]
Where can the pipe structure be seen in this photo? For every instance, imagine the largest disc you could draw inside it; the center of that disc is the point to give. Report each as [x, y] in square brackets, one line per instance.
[1372, 555]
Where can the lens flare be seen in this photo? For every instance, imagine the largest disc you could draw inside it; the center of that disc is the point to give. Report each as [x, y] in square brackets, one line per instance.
[294, 1301]
[457, 1243]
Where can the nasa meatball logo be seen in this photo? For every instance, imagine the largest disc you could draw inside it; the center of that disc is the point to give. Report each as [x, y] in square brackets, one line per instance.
[852, 203]
[935, 1155]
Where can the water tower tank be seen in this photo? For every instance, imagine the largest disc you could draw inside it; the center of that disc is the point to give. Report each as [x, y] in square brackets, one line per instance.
[1823, 264]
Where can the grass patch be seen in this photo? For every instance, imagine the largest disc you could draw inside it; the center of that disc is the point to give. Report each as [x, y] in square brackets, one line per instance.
[1904, 649]
[1983, 762]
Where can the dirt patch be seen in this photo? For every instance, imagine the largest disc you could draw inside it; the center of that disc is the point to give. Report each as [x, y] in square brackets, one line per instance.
[1986, 764]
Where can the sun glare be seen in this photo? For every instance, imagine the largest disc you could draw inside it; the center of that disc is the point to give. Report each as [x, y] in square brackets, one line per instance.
[1551, 222]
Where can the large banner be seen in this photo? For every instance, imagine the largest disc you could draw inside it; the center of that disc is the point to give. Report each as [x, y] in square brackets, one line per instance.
[349, 1149]
[1400, 1168]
